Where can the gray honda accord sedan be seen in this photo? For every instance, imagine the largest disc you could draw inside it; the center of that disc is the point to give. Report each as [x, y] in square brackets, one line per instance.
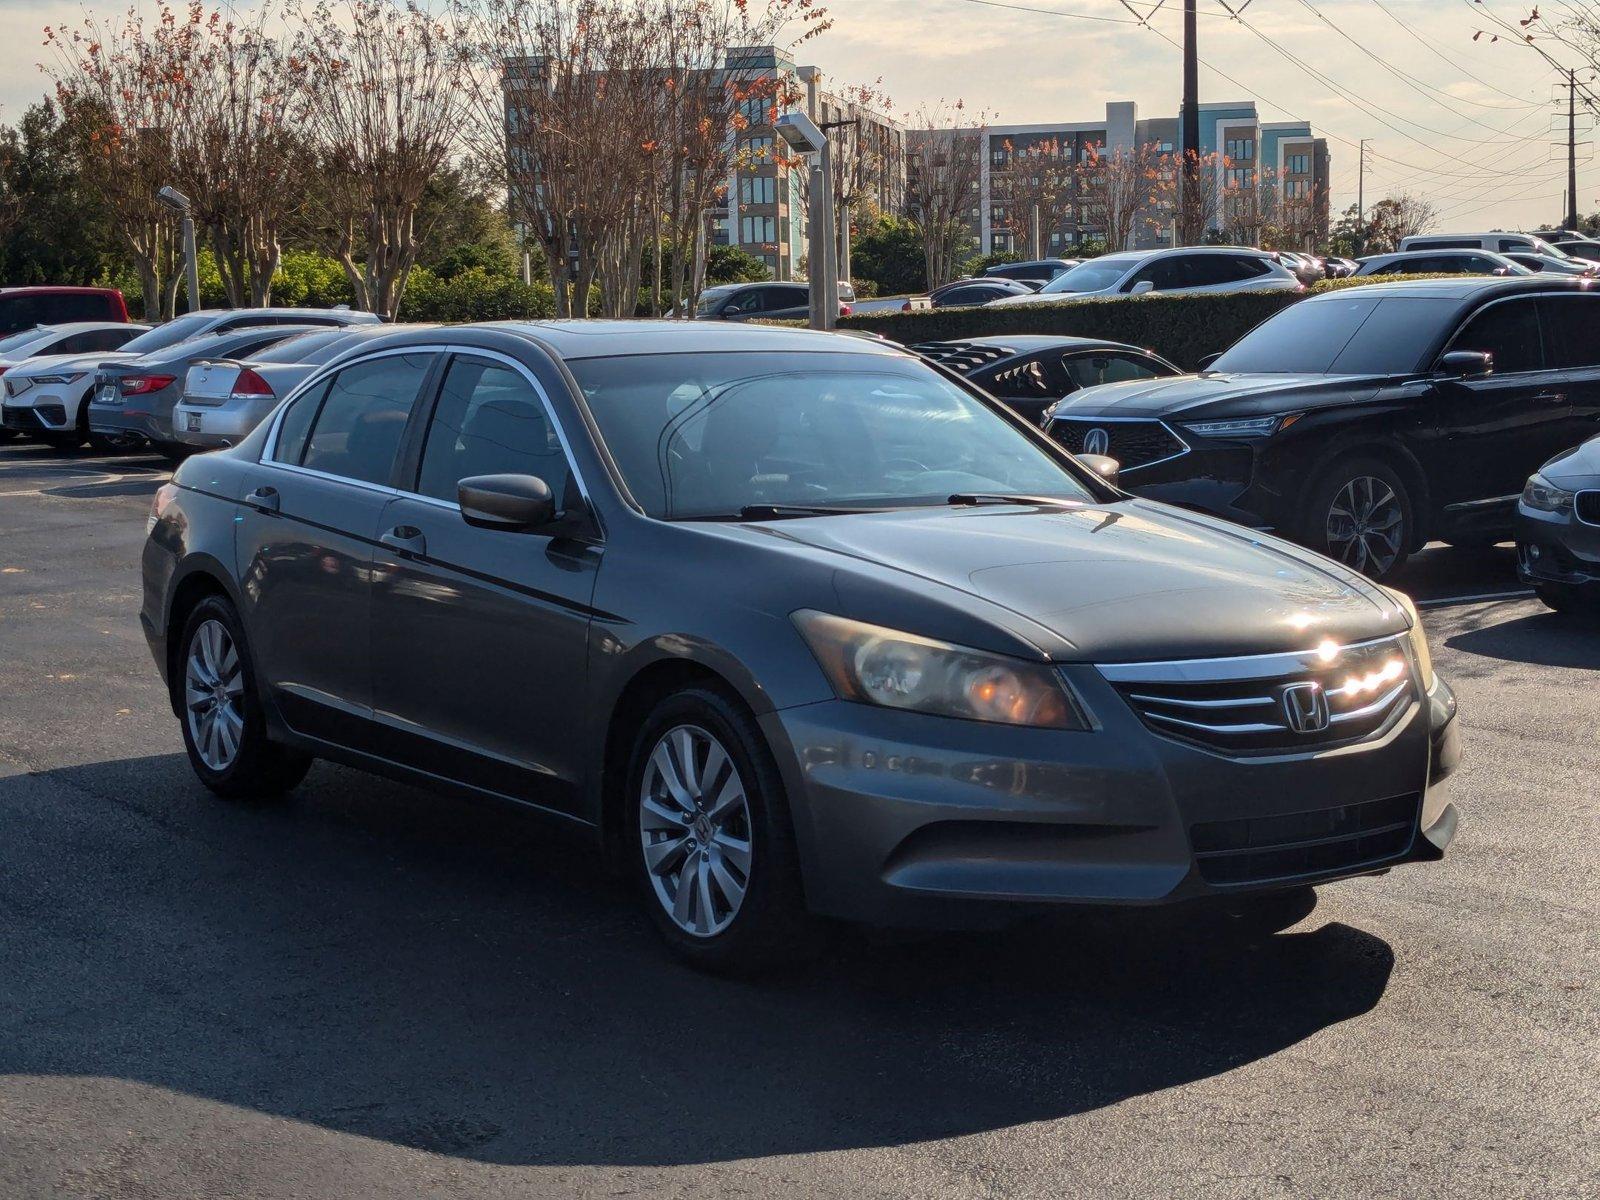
[792, 625]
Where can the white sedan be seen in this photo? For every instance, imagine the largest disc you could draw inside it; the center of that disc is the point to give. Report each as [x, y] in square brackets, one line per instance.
[1185, 269]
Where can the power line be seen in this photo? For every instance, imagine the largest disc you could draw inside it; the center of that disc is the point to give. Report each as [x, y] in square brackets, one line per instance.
[1443, 57]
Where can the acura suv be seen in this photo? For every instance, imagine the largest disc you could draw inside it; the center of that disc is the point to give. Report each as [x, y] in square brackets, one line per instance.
[789, 624]
[1366, 422]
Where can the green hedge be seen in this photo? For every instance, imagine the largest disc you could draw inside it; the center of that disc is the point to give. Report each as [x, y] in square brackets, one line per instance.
[1182, 328]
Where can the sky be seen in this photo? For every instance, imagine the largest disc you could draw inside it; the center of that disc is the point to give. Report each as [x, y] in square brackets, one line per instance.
[1470, 125]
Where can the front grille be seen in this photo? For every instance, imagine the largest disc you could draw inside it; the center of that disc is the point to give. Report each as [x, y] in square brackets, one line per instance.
[28, 420]
[1272, 704]
[1587, 507]
[1133, 444]
[1324, 841]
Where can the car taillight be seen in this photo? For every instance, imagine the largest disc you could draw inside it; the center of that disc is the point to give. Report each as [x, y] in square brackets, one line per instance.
[139, 385]
[844, 310]
[251, 384]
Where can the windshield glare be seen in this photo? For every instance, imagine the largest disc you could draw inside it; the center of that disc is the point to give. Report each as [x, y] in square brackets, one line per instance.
[1341, 335]
[17, 340]
[1095, 275]
[706, 435]
[174, 331]
[301, 347]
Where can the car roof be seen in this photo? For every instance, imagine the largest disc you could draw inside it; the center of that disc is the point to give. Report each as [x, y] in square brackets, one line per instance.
[1463, 287]
[33, 289]
[575, 339]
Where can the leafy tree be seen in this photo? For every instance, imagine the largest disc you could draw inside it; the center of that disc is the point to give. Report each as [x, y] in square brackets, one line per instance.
[891, 254]
[55, 227]
[729, 264]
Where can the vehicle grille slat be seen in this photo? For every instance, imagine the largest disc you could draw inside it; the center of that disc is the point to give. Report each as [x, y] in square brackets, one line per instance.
[1290, 846]
[1243, 707]
[1133, 443]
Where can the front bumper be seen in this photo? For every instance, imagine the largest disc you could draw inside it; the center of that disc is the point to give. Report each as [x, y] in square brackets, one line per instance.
[1557, 548]
[908, 819]
[26, 418]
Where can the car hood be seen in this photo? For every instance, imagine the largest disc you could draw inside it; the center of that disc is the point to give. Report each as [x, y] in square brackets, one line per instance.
[45, 364]
[1120, 582]
[1224, 394]
[1575, 469]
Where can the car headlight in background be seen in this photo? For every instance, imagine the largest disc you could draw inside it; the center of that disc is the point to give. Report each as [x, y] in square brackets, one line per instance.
[18, 384]
[1543, 496]
[68, 378]
[1419, 639]
[1244, 427]
[874, 665]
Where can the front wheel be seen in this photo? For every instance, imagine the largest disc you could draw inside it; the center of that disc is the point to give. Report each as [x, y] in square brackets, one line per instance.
[224, 729]
[1563, 599]
[1361, 514]
[715, 855]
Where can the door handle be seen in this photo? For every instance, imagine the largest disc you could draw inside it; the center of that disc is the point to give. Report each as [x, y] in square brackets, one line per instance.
[406, 541]
[1552, 397]
[263, 499]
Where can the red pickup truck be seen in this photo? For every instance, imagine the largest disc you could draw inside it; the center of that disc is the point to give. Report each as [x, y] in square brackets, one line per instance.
[24, 307]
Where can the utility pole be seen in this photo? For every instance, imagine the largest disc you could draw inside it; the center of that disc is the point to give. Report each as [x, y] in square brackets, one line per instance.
[1361, 199]
[1572, 150]
[1189, 134]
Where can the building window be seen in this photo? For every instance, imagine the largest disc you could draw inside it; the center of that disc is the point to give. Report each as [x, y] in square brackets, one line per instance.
[756, 189]
[758, 229]
[1241, 177]
[1165, 148]
[757, 147]
[1297, 189]
[757, 110]
[1240, 148]
[1299, 164]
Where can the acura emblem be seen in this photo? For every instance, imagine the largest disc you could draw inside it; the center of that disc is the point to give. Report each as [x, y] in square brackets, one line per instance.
[1305, 707]
[1096, 441]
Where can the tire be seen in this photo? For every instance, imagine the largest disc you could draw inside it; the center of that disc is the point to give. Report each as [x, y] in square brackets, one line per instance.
[1563, 599]
[701, 919]
[1377, 512]
[257, 768]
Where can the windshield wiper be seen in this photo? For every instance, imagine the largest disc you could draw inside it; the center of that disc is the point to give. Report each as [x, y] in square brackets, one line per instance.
[976, 498]
[778, 512]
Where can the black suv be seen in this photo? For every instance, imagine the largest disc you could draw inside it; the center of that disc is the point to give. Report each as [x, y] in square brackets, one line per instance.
[1366, 422]
[1041, 269]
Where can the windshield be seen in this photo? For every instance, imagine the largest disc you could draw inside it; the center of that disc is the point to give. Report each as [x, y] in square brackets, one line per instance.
[1540, 246]
[178, 330]
[1342, 335]
[1095, 275]
[712, 297]
[706, 435]
[17, 340]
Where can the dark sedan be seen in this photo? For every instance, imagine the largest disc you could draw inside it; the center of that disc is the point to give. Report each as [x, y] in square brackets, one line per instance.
[1558, 530]
[1365, 422]
[1032, 372]
[787, 623]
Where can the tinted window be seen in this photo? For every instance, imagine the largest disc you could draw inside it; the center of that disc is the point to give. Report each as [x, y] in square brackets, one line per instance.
[296, 424]
[1341, 334]
[490, 421]
[89, 341]
[1088, 370]
[785, 297]
[972, 295]
[1514, 244]
[1569, 330]
[1509, 331]
[707, 434]
[24, 312]
[1173, 271]
[357, 431]
[1443, 244]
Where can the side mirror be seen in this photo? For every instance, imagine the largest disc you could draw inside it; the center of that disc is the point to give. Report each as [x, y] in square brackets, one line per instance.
[1464, 364]
[514, 503]
[1102, 465]
[1207, 360]
[1501, 271]
[1143, 286]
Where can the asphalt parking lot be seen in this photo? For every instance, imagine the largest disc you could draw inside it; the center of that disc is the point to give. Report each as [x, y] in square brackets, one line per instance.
[374, 991]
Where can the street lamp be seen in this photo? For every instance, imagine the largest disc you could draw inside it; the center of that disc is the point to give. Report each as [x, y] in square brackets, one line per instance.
[801, 134]
[179, 203]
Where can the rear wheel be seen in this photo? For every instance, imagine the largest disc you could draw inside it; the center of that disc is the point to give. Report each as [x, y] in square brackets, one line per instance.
[1361, 514]
[224, 730]
[715, 855]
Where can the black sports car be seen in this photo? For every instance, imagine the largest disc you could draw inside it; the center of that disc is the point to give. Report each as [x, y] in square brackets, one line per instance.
[1030, 373]
[1365, 422]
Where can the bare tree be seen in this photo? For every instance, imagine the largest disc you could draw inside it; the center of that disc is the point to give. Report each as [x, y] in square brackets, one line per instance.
[865, 160]
[1191, 188]
[387, 110]
[113, 80]
[1397, 217]
[1036, 181]
[1116, 188]
[943, 168]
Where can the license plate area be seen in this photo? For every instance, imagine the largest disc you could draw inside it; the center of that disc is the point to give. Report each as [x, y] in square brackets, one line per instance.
[191, 422]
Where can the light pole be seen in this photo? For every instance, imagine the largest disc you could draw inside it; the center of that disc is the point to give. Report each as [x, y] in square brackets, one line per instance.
[178, 202]
[802, 136]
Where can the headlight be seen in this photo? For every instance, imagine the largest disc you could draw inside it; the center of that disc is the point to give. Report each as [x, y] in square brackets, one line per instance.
[16, 385]
[72, 378]
[1419, 639]
[1244, 427]
[1543, 496]
[873, 665]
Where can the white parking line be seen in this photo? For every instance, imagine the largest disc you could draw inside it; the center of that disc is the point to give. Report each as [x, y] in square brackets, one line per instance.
[1447, 601]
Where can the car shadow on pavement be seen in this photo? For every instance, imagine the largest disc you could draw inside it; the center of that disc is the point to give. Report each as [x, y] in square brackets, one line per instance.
[458, 978]
[1545, 639]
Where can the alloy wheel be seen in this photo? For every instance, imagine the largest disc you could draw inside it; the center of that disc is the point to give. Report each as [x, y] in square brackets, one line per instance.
[694, 825]
[213, 692]
[1365, 525]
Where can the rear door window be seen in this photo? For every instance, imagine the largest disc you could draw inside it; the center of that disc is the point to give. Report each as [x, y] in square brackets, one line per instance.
[1510, 332]
[1569, 324]
[1095, 368]
[356, 433]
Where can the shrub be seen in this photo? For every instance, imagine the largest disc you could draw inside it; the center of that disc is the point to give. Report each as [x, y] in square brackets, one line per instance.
[1180, 328]
[889, 254]
[474, 295]
[729, 264]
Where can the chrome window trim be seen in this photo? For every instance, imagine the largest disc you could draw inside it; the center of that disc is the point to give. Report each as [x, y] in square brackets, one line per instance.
[1234, 669]
[446, 348]
[1155, 462]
